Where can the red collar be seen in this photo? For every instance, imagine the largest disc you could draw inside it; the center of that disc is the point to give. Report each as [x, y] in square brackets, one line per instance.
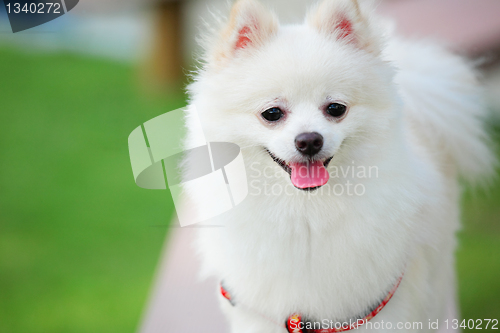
[294, 323]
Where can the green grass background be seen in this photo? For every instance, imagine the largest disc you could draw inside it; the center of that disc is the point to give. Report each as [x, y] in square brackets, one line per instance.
[79, 241]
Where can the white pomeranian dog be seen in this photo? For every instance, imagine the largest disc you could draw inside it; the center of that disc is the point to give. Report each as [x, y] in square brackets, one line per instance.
[354, 142]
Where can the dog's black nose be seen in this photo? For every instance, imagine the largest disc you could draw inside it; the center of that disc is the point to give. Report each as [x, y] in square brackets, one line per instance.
[309, 143]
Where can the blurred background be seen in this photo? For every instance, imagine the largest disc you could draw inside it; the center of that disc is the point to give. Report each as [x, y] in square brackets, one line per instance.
[79, 241]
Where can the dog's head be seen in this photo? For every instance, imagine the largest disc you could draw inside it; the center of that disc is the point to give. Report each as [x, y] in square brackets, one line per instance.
[305, 96]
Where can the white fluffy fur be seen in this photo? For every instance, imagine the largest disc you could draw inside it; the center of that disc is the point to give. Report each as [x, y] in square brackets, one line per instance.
[414, 113]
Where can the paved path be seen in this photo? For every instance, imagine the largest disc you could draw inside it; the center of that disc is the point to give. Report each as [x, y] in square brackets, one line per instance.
[180, 303]
[472, 26]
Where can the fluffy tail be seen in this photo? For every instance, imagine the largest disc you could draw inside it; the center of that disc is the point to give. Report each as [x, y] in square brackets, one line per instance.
[443, 100]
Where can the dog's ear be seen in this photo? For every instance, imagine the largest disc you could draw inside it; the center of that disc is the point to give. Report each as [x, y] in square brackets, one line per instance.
[249, 26]
[344, 20]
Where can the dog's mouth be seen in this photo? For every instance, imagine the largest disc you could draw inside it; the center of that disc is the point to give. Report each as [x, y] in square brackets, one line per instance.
[308, 175]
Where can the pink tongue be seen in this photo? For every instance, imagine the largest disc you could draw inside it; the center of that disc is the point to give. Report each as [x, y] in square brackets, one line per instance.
[309, 174]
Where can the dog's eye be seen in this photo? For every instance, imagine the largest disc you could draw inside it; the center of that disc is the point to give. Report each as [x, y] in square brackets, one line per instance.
[336, 110]
[272, 114]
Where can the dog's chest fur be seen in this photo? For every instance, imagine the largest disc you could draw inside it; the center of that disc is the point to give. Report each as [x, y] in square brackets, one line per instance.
[327, 257]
